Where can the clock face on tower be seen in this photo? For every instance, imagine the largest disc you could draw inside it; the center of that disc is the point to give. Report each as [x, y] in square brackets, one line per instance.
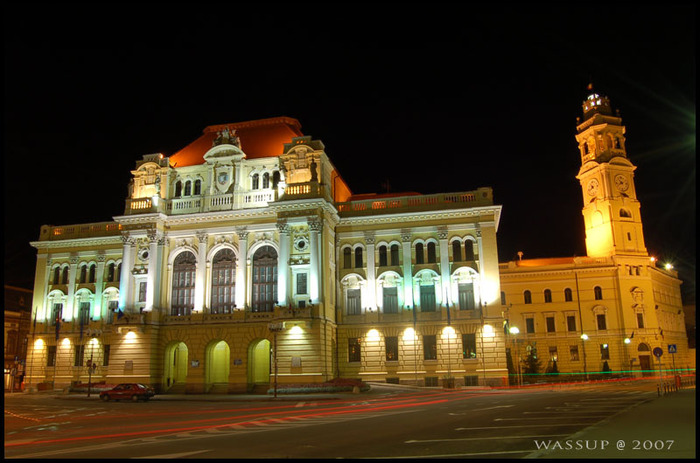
[621, 182]
[592, 187]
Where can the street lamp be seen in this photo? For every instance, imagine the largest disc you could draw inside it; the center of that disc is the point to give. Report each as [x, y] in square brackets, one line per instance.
[275, 328]
[584, 337]
[514, 331]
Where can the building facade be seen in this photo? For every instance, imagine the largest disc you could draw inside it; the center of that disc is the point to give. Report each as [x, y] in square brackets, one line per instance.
[609, 310]
[244, 257]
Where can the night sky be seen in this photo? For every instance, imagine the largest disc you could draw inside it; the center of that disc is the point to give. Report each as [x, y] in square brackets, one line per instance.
[428, 99]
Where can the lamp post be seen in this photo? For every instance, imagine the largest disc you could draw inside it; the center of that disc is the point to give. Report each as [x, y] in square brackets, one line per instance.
[514, 331]
[275, 328]
[584, 338]
[92, 366]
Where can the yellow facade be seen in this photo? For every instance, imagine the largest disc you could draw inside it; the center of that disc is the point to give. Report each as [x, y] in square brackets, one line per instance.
[227, 272]
[617, 297]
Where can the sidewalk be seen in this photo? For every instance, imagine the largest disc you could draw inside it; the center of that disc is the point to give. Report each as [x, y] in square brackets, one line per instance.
[663, 427]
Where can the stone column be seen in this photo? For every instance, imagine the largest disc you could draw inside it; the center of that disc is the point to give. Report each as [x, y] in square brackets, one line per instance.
[283, 264]
[99, 286]
[445, 266]
[69, 313]
[153, 270]
[371, 273]
[201, 274]
[315, 226]
[241, 269]
[125, 277]
[407, 269]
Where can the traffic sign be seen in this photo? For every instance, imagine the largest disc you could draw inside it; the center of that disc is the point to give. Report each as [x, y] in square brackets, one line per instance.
[658, 352]
[672, 349]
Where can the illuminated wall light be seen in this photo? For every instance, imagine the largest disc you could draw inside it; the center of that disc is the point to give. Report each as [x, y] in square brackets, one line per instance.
[296, 330]
[669, 266]
[488, 331]
[130, 336]
[373, 335]
[514, 330]
[409, 335]
[65, 342]
[584, 336]
[39, 344]
[448, 333]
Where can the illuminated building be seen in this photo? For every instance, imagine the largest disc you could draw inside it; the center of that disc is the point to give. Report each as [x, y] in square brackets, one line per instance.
[249, 238]
[618, 296]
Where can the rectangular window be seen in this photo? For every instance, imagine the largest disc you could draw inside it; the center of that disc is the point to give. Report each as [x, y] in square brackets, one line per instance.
[604, 352]
[354, 354]
[392, 348]
[640, 320]
[600, 318]
[466, 296]
[469, 346]
[550, 325]
[79, 355]
[390, 300]
[354, 299]
[427, 298]
[530, 325]
[105, 356]
[142, 291]
[430, 347]
[302, 283]
[51, 357]
[573, 351]
[56, 314]
[84, 313]
[571, 322]
[394, 254]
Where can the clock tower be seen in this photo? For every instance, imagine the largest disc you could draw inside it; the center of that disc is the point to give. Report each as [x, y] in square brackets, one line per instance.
[611, 211]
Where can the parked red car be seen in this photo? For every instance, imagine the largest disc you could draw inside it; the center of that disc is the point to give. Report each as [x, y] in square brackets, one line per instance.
[133, 391]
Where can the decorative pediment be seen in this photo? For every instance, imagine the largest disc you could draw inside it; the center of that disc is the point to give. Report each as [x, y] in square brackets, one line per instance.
[224, 153]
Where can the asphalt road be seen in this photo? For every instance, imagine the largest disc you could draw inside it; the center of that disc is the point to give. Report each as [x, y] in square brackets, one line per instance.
[418, 423]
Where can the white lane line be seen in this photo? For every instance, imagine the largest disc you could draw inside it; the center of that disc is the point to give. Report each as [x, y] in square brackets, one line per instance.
[174, 455]
[418, 441]
[450, 455]
[492, 408]
[524, 426]
[547, 418]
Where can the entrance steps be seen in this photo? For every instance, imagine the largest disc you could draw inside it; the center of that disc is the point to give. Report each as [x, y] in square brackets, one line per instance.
[177, 388]
[260, 389]
[220, 388]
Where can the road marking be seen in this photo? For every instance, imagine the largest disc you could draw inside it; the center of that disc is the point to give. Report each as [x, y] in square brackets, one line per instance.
[300, 404]
[452, 455]
[493, 408]
[416, 441]
[547, 418]
[174, 455]
[524, 426]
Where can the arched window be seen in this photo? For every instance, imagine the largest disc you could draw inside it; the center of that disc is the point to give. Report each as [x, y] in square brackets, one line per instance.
[275, 178]
[223, 282]
[197, 187]
[358, 257]
[264, 279]
[347, 258]
[432, 255]
[64, 276]
[110, 272]
[256, 182]
[598, 293]
[468, 250]
[184, 269]
[119, 272]
[568, 296]
[56, 275]
[547, 295]
[383, 258]
[395, 254]
[527, 296]
[456, 251]
[83, 274]
[420, 257]
[178, 189]
[266, 180]
[91, 277]
[625, 213]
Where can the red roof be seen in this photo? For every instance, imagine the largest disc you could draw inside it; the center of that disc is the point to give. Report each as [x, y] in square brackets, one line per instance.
[259, 138]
